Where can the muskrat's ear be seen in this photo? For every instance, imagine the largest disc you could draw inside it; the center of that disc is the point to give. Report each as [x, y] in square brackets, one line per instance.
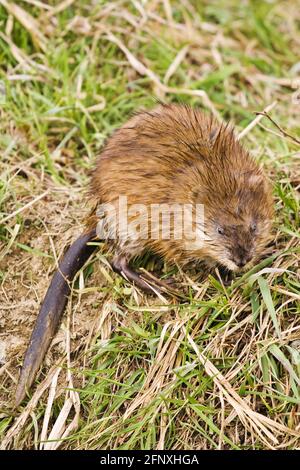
[256, 179]
[250, 178]
[213, 134]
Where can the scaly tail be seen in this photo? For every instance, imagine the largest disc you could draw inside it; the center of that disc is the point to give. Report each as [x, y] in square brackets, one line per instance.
[52, 309]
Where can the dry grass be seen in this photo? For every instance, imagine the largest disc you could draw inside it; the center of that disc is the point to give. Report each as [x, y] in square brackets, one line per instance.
[126, 371]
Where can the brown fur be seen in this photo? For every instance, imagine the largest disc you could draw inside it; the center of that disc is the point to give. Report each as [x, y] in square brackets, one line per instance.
[176, 154]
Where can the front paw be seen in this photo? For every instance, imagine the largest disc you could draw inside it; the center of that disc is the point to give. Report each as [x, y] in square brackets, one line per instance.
[227, 276]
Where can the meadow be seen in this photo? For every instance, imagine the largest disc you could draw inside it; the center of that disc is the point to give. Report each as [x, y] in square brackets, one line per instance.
[218, 369]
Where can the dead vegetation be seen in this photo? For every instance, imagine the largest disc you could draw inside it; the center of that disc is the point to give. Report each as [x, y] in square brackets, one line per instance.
[125, 370]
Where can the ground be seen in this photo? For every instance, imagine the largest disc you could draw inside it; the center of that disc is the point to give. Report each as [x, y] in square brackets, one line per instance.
[217, 370]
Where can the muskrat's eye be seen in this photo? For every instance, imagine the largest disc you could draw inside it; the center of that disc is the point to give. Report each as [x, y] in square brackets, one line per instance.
[253, 227]
[220, 230]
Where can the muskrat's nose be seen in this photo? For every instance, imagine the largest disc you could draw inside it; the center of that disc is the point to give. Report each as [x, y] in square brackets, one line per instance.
[241, 262]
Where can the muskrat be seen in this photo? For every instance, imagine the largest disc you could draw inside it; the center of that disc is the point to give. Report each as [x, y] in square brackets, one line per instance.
[173, 154]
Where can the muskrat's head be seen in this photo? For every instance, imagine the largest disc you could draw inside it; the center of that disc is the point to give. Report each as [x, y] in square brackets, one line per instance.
[238, 223]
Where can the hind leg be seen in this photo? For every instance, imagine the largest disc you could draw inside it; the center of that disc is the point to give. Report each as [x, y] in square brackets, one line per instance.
[148, 283]
[120, 265]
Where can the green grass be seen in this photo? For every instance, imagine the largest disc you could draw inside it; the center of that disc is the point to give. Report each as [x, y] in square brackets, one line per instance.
[146, 373]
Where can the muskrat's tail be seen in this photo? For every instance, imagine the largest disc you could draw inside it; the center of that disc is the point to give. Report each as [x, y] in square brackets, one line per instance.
[52, 309]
